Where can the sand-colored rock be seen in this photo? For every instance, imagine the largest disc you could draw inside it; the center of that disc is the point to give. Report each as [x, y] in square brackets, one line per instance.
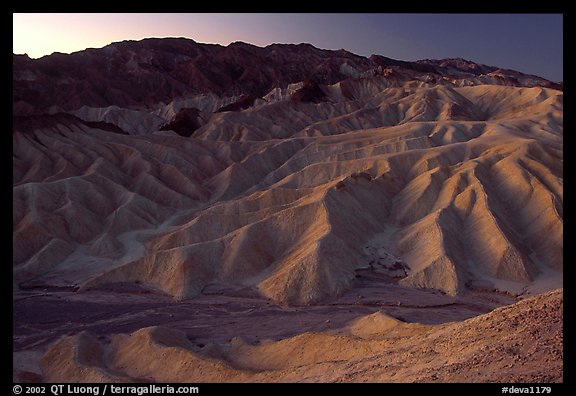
[469, 178]
[518, 343]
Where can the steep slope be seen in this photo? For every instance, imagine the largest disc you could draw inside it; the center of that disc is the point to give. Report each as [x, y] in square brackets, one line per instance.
[283, 197]
[177, 165]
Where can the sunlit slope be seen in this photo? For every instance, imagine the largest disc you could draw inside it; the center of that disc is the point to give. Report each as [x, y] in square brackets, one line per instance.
[465, 185]
[509, 344]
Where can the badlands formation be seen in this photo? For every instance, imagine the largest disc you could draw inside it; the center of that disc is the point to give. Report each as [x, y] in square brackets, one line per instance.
[191, 212]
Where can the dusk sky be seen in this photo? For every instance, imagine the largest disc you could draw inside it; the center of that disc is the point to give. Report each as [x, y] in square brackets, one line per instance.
[530, 43]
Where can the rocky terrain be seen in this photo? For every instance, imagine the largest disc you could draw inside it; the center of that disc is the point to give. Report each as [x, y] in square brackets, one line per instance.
[147, 339]
[382, 204]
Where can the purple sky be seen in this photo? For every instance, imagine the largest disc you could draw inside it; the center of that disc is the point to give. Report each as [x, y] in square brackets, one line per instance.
[530, 43]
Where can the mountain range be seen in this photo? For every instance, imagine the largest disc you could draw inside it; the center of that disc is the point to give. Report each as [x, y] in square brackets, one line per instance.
[152, 71]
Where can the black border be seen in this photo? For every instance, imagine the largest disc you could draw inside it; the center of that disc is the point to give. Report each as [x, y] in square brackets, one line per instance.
[487, 7]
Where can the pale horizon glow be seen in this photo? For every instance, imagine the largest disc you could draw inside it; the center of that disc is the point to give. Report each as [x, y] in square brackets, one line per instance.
[530, 43]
